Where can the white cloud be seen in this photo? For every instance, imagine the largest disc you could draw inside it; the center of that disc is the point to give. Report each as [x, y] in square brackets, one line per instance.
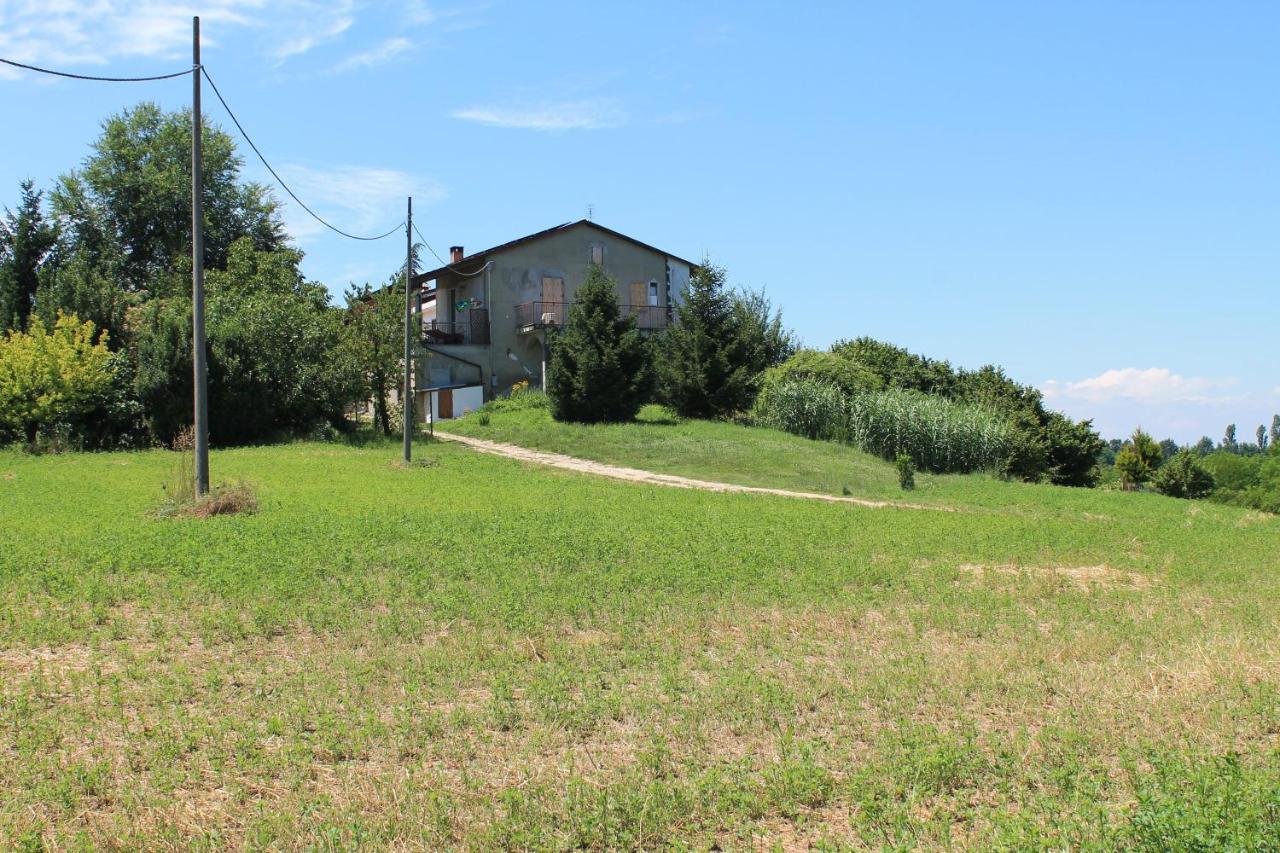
[96, 32]
[380, 53]
[590, 114]
[360, 199]
[70, 33]
[1152, 385]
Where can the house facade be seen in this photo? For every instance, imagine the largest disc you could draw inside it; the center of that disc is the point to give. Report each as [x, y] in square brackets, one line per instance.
[486, 315]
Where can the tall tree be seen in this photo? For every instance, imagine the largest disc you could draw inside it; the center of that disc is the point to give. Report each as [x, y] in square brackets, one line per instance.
[133, 194]
[706, 367]
[1275, 431]
[1262, 438]
[599, 369]
[26, 239]
[1138, 460]
[1229, 442]
[374, 340]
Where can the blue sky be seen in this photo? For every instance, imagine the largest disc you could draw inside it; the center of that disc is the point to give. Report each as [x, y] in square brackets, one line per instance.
[1085, 193]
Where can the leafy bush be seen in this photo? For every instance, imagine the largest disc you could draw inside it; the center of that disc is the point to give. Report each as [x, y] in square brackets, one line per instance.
[906, 471]
[849, 377]
[1184, 476]
[938, 434]
[1045, 444]
[50, 378]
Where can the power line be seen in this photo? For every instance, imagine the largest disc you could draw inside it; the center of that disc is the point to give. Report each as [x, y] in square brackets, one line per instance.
[98, 79]
[279, 179]
[448, 266]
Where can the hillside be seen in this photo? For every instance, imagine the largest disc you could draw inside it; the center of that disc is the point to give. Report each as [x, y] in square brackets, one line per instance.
[481, 653]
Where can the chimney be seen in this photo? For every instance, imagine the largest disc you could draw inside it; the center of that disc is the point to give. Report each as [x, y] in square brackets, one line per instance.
[455, 254]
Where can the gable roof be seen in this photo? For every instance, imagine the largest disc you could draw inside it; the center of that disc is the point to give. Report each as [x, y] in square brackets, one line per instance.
[422, 278]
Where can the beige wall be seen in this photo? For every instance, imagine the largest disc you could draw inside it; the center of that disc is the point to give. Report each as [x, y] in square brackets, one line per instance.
[515, 276]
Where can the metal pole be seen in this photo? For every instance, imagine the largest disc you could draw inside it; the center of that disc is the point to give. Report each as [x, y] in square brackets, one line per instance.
[408, 335]
[199, 368]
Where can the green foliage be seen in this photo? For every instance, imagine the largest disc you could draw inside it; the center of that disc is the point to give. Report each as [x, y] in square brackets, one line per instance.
[767, 342]
[51, 377]
[1138, 460]
[274, 347]
[906, 471]
[599, 369]
[1044, 444]
[850, 377]
[373, 338]
[808, 407]
[134, 193]
[26, 239]
[939, 434]
[708, 363]
[1184, 476]
[1232, 473]
[1215, 804]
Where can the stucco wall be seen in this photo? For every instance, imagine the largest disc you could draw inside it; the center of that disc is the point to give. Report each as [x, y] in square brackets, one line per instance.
[515, 276]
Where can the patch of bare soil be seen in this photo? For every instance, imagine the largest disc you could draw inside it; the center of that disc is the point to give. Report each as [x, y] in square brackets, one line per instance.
[1084, 577]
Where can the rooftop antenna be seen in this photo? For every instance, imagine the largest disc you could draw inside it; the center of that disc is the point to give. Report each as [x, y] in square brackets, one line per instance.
[591, 212]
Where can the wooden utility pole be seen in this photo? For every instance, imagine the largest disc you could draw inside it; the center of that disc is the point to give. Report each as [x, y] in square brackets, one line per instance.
[407, 407]
[199, 367]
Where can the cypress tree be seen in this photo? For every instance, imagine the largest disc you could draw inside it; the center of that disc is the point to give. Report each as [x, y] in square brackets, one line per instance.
[599, 368]
[25, 240]
[705, 368]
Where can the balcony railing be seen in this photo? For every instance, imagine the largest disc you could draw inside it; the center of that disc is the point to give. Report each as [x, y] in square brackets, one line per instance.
[540, 315]
[436, 332]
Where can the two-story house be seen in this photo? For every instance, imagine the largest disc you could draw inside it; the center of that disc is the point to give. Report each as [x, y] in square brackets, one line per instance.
[486, 315]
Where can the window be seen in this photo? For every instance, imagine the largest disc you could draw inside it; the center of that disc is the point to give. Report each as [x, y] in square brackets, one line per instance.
[653, 293]
[597, 255]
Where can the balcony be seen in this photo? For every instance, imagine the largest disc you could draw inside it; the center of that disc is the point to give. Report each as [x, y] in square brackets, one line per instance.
[540, 315]
[467, 332]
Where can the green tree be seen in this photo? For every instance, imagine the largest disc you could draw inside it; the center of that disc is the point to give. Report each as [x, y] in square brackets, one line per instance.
[275, 359]
[374, 339]
[1204, 446]
[132, 197]
[1262, 438]
[599, 369]
[766, 340]
[1073, 448]
[1138, 460]
[707, 367]
[26, 239]
[1229, 442]
[1275, 431]
[1184, 476]
[49, 377]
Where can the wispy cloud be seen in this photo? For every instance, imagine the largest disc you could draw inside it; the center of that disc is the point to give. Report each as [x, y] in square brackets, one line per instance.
[376, 55]
[70, 33]
[589, 114]
[1150, 385]
[360, 199]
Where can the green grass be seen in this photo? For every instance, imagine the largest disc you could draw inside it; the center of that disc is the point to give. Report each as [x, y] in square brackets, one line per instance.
[707, 450]
[483, 654]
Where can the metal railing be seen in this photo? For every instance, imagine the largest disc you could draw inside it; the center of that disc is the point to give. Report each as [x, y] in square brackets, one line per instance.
[442, 333]
[539, 315]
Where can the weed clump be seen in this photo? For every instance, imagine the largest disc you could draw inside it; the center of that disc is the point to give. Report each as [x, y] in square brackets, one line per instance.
[180, 489]
[906, 471]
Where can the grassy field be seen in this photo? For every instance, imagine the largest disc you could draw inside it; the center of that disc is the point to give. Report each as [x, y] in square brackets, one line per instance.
[481, 654]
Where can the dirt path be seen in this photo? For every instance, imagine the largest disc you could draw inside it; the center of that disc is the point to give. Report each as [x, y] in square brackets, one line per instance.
[636, 475]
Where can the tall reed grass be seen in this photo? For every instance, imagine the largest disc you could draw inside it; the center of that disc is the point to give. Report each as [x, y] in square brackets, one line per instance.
[940, 435]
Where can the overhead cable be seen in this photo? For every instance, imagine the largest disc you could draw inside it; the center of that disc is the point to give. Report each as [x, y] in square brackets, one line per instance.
[91, 77]
[280, 180]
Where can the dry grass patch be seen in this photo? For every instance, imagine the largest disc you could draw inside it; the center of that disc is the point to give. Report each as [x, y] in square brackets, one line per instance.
[1101, 576]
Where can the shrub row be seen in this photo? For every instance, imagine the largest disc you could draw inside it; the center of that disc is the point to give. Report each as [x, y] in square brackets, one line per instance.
[939, 435]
